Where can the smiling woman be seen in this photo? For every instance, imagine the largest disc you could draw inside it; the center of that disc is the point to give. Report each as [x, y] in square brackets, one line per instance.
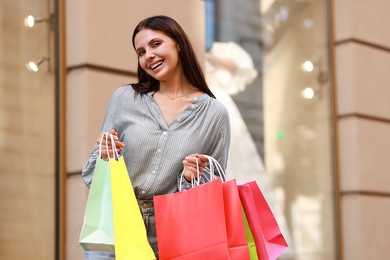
[158, 55]
[165, 122]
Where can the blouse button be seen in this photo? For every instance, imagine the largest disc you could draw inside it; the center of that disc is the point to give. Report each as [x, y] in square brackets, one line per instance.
[143, 192]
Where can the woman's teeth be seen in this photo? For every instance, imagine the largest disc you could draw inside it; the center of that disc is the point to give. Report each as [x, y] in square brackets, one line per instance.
[156, 65]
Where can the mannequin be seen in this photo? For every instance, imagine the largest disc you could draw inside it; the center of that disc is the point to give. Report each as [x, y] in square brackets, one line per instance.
[228, 70]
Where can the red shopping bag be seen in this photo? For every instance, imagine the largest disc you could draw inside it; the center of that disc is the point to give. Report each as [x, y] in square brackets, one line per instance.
[204, 203]
[269, 240]
[191, 224]
[235, 225]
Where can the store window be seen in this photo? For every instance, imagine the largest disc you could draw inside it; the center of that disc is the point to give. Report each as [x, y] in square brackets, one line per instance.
[286, 109]
[27, 131]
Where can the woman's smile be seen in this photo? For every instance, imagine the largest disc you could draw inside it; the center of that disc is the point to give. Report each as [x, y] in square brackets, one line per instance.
[158, 54]
[156, 65]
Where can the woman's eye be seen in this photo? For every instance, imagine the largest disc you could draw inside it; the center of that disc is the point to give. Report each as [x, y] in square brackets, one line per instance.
[140, 53]
[156, 44]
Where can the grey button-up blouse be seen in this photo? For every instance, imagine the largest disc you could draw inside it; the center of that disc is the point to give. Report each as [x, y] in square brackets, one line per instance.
[154, 151]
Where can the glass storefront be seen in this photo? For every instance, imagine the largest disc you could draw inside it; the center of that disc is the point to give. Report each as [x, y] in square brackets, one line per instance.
[287, 110]
[270, 59]
[27, 131]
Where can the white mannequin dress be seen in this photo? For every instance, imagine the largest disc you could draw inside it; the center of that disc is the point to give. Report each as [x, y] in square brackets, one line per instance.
[228, 70]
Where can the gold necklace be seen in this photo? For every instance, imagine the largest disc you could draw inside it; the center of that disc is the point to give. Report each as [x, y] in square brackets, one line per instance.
[173, 98]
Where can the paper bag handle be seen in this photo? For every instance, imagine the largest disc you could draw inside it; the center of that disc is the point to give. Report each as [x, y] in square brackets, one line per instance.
[194, 181]
[116, 154]
[213, 162]
[115, 150]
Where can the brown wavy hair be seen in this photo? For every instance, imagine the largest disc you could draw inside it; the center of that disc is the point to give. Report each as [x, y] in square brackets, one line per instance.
[189, 62]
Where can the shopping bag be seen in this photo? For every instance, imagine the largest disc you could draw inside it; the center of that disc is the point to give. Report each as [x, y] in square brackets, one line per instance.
[250, 239]
[235, 225]
[97, 233]
[191, 224]
[205, 222]
[131, 241]
[238, 233]
[268, 238]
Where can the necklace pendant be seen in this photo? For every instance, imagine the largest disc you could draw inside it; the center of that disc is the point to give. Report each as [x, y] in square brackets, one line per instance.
[173, 98]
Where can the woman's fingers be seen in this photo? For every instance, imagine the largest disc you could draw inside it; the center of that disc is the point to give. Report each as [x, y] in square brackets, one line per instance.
[191, 173]
[110, 154]
[193, 160]
[192, 170]
[118, 144]
[193, 167]
[114, 133]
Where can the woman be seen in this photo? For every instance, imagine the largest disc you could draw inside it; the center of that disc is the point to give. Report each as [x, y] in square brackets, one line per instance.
[165, 122]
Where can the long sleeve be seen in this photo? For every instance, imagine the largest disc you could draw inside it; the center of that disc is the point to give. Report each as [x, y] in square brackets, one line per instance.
[154, 150]
[108, 125]
[219, 152]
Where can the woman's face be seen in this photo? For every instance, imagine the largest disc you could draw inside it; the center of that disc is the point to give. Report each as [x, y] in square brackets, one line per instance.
[157, 54]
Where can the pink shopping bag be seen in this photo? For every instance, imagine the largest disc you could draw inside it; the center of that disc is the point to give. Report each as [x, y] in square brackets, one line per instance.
[269, 240]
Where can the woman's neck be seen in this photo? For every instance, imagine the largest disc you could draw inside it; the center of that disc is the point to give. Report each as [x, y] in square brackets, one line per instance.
[175, 87]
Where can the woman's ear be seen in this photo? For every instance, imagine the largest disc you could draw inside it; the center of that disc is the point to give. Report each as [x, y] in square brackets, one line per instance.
[178, 47]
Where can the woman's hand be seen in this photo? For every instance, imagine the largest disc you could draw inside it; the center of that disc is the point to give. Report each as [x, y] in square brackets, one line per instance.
[189, 164]
[118, 144]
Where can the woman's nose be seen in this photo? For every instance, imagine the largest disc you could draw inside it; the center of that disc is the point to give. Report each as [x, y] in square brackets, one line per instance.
[150, 55]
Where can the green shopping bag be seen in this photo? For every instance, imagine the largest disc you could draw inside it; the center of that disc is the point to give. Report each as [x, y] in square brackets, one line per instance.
[97, 233]
[112, 220]
[249, 237]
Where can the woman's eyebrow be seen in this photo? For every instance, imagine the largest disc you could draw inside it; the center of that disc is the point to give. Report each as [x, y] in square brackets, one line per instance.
[154, 40]
[150, 42]
[139, 49]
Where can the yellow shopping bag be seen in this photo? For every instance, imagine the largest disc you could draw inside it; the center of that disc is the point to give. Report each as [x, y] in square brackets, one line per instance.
[131, 241]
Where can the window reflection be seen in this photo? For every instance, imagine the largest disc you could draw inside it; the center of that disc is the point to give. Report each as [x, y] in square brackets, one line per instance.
[287, 112]
[27, 135]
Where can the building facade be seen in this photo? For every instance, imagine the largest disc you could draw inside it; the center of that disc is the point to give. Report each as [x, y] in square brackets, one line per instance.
[317, 114]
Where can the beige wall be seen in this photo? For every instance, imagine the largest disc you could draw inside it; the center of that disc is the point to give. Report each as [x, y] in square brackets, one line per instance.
[99, 51]
[99, 55]
[362, 62]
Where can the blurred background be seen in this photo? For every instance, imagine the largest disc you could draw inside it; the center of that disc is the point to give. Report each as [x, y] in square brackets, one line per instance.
[314, 116]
